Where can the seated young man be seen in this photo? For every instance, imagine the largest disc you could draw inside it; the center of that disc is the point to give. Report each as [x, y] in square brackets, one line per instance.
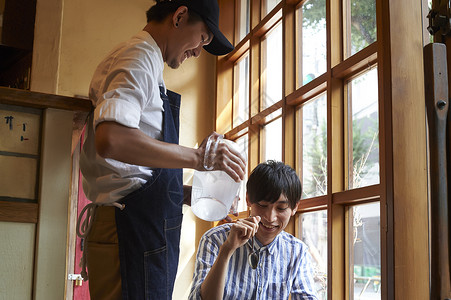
[282, 264]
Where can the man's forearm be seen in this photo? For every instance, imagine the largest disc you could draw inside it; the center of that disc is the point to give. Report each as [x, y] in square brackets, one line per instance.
[132, 146]
[213, 286]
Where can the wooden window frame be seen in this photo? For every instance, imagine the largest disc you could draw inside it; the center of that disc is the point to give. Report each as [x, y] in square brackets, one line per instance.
[403, 176]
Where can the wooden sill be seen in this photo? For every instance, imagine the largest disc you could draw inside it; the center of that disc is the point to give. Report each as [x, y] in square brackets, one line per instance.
[27, 98]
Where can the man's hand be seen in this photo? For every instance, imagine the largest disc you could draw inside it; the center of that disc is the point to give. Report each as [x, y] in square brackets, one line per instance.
[224, 158]
[241, 232]
[187, 194]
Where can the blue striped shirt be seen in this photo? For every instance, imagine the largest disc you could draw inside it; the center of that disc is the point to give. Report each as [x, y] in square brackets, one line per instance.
[284, 268]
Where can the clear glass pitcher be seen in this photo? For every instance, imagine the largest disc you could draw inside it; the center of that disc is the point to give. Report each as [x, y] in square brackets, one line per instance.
[213, 192]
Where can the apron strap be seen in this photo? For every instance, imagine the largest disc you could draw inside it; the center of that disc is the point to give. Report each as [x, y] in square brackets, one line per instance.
[84, 228]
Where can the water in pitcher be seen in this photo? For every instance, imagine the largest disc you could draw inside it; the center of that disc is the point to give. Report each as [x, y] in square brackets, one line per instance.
[209, 209]
[213, 193]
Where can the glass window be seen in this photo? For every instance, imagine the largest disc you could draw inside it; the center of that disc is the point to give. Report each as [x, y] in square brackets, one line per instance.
[268, 5]
[241, 91]
[243, 144]
[314, 233]
[272, 67]
[431, 37]
[365, 252]
[360, 25]
[311, 39]
[363, 130]
[262, 98]
[272, 140]
[313, 135]
[244, 19]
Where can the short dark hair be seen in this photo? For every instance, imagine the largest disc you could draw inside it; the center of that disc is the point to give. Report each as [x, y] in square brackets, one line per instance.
[164, 8]
[271, 179]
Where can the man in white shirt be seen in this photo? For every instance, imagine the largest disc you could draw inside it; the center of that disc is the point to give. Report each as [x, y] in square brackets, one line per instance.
[131, 161]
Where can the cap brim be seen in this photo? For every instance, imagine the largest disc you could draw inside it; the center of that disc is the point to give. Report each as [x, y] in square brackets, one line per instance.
[219, 45]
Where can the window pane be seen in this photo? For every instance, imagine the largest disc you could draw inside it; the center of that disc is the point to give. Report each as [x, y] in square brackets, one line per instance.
[365, 252]
[361, 25]
[314, 234]
[268, 5]
[314, 147]
[431, 37]
[272, 67]
[244, 19]
[272, 138]
[243, 145]
[241, 91]
[363, 128]
[311, 37]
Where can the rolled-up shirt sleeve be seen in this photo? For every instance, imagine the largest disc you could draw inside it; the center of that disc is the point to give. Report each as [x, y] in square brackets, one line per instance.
[113, 110]
[129, 86]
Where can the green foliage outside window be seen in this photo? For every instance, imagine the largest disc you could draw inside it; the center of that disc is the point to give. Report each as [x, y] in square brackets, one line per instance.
[363, 20]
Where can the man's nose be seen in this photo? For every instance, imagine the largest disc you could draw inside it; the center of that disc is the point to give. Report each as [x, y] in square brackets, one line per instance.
[270, 215]
[197, 50]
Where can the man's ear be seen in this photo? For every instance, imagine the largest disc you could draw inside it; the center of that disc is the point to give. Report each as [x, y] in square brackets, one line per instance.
[248, 202]
[179, 16]
[295, 209]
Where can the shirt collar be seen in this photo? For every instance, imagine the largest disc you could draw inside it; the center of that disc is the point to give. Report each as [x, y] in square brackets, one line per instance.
[148, 38]
[271, 247]
[144, 35]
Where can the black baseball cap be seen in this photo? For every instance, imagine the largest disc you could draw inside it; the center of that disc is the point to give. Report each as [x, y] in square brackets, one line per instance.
[208, 10]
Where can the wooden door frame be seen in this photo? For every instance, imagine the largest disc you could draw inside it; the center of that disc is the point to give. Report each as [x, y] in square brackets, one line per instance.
[404, 178]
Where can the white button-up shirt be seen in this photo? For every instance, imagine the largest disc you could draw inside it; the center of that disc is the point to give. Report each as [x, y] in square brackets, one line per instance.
[124, 89]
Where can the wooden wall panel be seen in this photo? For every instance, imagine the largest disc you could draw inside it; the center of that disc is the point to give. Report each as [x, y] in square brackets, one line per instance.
[20, 131]
[17, 255]
[18, 177]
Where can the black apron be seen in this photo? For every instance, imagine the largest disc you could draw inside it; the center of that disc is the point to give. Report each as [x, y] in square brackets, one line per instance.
[149, 226]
